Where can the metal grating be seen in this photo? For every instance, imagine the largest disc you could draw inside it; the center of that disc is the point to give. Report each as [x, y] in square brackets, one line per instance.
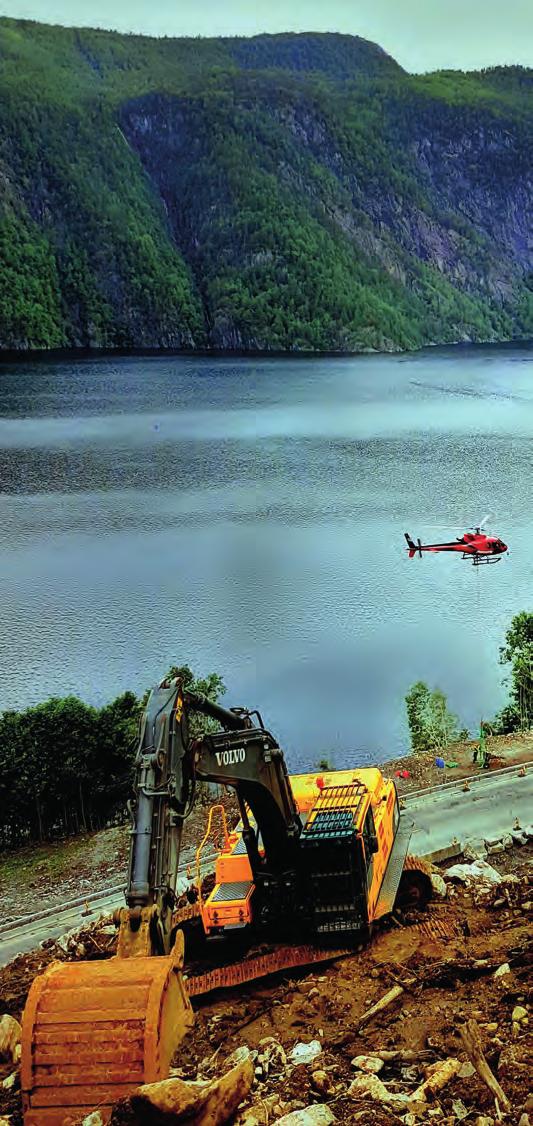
[341, 797]
[225, 892]
[335, 812]
[329, 824]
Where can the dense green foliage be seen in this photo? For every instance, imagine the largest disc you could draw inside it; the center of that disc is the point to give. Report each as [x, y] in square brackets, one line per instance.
[66, 766]
[291, 192]
[337, 56]
[518, 653]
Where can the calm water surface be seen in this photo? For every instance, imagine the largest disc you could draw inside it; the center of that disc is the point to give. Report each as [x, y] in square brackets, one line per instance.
[247, 517]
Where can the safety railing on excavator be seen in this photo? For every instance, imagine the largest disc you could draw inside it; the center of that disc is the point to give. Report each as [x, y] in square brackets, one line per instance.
[228, 842]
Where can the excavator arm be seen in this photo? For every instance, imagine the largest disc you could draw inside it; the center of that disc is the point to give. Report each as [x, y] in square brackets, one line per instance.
[168, 765]
[94, 1030]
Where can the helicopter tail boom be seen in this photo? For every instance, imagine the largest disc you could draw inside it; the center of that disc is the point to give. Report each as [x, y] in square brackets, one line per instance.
[412, 546]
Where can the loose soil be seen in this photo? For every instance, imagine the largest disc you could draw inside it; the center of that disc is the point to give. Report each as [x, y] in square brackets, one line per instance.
[503, 750]
[444, 958]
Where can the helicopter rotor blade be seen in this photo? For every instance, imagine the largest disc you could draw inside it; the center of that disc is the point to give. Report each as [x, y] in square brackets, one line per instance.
[457, 525]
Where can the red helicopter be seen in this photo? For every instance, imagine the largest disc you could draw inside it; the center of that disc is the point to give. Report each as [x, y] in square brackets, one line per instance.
[475, 545]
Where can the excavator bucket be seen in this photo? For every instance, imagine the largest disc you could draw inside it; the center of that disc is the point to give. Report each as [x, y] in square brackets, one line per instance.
[93, 1031]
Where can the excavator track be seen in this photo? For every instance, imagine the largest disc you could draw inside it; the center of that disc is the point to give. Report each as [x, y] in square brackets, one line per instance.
[417, 864]
[185, 914]
[415, 888]
[283, 958]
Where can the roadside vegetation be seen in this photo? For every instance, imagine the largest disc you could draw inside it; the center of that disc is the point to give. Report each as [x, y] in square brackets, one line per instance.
[433, 727]
[66, 766]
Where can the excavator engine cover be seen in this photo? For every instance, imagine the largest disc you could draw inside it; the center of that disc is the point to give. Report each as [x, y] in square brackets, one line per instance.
[93, 1031]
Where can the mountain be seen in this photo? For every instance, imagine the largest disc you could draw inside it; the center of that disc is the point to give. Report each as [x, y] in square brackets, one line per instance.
[280, 192]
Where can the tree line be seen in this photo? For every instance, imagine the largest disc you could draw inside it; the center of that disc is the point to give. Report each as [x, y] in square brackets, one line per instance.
[66, 766]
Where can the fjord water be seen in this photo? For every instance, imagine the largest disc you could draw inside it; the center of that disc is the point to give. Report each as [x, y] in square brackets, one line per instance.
[247, 516]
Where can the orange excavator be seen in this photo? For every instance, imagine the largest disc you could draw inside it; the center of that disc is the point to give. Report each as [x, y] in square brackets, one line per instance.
[315, 860]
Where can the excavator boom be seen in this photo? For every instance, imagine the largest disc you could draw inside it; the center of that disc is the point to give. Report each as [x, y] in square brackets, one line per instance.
[93, 1031]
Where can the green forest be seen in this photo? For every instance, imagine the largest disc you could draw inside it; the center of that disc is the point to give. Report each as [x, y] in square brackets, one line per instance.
[67, 767]
[285, 192]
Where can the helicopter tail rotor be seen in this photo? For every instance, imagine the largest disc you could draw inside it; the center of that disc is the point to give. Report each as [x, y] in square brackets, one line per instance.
[413, 547]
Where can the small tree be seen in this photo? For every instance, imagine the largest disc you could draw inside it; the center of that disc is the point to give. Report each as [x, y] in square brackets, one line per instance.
[417, 703]
[431, 725]
[442, 725]
[324, 763]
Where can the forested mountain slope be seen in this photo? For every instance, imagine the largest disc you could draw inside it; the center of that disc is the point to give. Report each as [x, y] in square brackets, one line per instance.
[286, 192]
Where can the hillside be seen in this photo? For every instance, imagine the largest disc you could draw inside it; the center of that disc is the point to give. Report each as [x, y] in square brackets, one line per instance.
[280, 192]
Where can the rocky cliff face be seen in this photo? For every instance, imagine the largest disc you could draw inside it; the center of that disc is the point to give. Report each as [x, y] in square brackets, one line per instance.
[285, 192]
[468, 213]
[457, 201]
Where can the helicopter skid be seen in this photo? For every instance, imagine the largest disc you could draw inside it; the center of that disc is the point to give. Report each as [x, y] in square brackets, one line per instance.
[482, 560]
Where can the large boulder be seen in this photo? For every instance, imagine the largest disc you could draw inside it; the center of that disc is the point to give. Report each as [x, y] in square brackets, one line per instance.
[10, 1037]
[176, 1100]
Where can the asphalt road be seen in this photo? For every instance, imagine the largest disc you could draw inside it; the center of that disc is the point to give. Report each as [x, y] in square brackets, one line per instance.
[29, 935]
[488, 809]
[441, 816]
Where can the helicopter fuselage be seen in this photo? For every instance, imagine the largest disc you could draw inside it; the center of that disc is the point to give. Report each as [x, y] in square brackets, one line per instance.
[476, 546]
